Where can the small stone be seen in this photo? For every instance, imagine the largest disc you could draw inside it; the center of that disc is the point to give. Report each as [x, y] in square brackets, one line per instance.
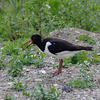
[25, 69]
[77, 31]
[98, 53]
[67, 89]
[76, 40]
[38, 80]
[78, 96]
[10, 83]
[43, 71]
[55, 85]
[84, 98]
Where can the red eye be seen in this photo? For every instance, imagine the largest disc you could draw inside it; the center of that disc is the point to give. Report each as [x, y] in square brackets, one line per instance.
[34, 37]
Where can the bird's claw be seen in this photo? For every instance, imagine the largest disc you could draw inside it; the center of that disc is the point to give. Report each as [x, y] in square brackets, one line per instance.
[56, 73]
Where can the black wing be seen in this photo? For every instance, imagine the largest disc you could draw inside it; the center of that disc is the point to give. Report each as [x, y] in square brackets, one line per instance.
[59, 45]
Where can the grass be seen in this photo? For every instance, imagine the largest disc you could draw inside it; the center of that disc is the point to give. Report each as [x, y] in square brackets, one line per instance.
[9, 97]
[85, 79]
[21, 18]
[3, 62]
[86, 39]
[41, 93]
[82, 58]
[24, 18]
[19, 86]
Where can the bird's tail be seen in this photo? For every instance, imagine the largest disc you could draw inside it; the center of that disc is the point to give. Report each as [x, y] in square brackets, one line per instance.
[88, 48]
[85, 48]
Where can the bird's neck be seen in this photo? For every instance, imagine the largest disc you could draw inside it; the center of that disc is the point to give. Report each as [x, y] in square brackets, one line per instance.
[40, 45]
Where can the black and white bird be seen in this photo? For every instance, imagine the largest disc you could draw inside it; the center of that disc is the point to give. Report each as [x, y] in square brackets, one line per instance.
[57, 48]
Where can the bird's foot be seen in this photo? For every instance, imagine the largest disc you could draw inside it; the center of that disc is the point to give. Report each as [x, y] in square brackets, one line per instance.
[57, 72]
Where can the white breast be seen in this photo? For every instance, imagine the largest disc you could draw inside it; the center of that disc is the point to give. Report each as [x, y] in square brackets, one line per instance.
[46, 49]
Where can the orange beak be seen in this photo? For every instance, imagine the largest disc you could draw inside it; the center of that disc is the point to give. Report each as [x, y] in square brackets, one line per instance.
[26, 43]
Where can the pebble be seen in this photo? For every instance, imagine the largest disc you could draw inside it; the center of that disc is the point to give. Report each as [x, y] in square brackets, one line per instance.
[38, 80]
[25, 69]
[55, 85]
[42, 71]
[10, 83]
[67, 89]
[77, 31]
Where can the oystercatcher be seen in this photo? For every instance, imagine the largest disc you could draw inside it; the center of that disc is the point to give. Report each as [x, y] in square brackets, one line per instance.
[56, 47]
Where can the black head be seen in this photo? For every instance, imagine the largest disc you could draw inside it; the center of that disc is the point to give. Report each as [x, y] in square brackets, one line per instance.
[36, 38]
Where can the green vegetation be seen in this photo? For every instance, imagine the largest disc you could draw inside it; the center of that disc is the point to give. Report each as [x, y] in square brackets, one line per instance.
[85, 79]
[82, 58]
[9, 97]
[10, 48]
[86, 39]
[22, 18]
[3, 62]
[26, 93]
[19, 86]
[41, 93]
[16, 62]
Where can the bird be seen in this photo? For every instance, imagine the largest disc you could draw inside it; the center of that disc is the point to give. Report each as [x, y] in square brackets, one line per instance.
[58, 48]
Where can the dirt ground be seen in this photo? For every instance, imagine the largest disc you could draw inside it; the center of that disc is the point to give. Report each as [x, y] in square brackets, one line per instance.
[32, 75]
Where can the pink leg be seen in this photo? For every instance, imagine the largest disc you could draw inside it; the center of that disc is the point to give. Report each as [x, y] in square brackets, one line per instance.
[60, 67]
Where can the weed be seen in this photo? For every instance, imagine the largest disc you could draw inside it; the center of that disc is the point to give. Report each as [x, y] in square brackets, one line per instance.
[42, 55]
[95, 57]
[19, 86]
[27, 58]
[86, 39]
[85, 81]
[9, 97]
[3, 62]
[39, 63]
[82, 58]
[45, 94]
[25, 93]
[44, 76]
[30, 17]
[78, 58]
[10, 48]
[15, 69]
[11, 79]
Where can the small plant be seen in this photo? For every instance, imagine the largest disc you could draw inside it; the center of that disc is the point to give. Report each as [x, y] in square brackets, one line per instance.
[85, 80]
[39, 63]
[95, 57]
[45, 94]
[82, 58]
[45, 76]
[9, 97]
[16, 69]
[26, 93]
[3, 63]
[11, 48]
[78, 58]
[27, 58]
[86, 39]
[19, 86]
[42, 55]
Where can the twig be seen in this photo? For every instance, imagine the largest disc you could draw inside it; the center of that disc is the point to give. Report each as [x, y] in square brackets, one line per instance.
[39, 18]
